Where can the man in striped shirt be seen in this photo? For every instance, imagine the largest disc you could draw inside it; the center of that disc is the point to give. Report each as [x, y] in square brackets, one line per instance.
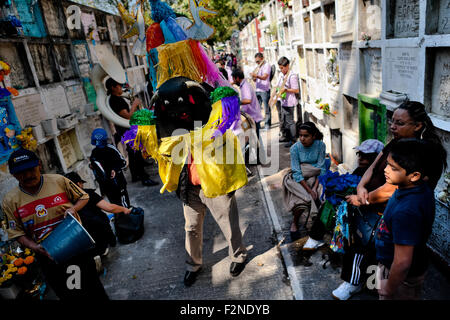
[34, 209]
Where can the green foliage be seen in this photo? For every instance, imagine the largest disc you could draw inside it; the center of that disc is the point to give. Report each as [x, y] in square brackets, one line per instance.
[231, 14]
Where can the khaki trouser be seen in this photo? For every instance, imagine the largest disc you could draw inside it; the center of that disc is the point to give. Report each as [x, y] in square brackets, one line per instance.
[225, 213]
[409, 289]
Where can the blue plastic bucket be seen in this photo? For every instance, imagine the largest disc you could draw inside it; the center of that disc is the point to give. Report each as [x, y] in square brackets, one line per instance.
[68, 239]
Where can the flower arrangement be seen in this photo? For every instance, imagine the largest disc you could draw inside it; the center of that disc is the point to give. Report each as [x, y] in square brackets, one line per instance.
[366, 37]
[27, 139]
[325, 107]
[17, 268]
[285, 3]
[5, 69]
[336, 187]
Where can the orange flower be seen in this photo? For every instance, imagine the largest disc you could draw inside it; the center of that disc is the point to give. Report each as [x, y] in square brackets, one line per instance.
[22, 270]
[13, 91]
[18, 262]
[29, 260]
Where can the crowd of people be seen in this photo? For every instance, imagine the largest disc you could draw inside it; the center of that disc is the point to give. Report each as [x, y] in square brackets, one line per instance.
[392, 210]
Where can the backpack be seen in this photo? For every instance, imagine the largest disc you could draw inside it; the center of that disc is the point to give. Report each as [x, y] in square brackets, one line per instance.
[129, 227]
[272, 72]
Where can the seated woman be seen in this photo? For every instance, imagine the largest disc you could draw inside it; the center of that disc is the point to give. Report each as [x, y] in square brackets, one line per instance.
[301, 187]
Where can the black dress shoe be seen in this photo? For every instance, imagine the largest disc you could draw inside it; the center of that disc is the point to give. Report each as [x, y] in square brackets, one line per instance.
[190, 277]
[149, 183]
[236, 268]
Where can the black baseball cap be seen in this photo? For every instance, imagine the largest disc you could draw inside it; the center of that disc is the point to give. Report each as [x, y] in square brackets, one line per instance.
[74, 177]
[21, 160]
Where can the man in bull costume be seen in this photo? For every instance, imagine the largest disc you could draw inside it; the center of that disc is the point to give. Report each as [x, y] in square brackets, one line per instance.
[186, 132]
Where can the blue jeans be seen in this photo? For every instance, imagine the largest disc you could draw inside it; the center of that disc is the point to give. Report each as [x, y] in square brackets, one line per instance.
[264, 96]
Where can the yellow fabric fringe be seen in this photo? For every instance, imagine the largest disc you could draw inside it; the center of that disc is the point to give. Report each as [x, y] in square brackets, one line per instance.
[176, 60]
[219, 161]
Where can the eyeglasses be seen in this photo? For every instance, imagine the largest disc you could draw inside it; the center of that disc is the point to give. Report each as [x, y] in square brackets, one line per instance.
[398, 123]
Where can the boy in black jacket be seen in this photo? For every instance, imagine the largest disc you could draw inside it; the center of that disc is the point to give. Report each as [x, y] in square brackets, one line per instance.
[107, 164]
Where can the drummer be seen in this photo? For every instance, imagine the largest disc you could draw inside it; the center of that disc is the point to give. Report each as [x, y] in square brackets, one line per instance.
[34, 209]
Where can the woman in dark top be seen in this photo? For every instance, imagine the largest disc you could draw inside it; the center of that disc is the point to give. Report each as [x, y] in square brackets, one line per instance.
[120, 106]
[410, 120]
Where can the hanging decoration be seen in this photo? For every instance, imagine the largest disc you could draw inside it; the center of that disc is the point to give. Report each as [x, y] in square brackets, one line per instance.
[193, 106]
[9, 124]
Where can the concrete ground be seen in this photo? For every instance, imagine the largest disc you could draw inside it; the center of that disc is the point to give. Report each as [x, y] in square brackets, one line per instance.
[153, 267]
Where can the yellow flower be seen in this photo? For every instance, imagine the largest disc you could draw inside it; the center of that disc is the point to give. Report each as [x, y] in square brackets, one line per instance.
[9, 276]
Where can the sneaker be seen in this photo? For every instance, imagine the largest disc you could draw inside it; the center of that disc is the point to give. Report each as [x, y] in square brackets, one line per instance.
[346, 290]
[312, 244]
[98, 264]
[104, 254]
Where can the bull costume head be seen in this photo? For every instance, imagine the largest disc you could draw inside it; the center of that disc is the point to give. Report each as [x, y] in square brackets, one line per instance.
[180, 103]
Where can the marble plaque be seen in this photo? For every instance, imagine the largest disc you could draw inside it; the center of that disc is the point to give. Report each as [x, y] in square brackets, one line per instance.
[112, 28]
[371, 71]
[444, 17]
[346, 13]
[406, 18]
[317, 19]
[89, 24]
[402, 69]
[82, 59]
[320, 65]
[29, 109]
[76, 97]
[18, 76]
[440, 103]
[370, 19]
[310, 62]
[56, 101]
[55, 22]
[301, 62]
[67, 149]
[330, 21]
[348, 71]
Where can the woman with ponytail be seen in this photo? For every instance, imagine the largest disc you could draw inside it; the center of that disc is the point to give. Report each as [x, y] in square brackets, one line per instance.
[410, 120]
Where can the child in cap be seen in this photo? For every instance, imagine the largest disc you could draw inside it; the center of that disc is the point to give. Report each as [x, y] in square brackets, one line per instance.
[107, 164]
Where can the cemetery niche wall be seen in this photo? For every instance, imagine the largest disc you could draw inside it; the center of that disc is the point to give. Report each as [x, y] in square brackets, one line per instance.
[50, 67]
